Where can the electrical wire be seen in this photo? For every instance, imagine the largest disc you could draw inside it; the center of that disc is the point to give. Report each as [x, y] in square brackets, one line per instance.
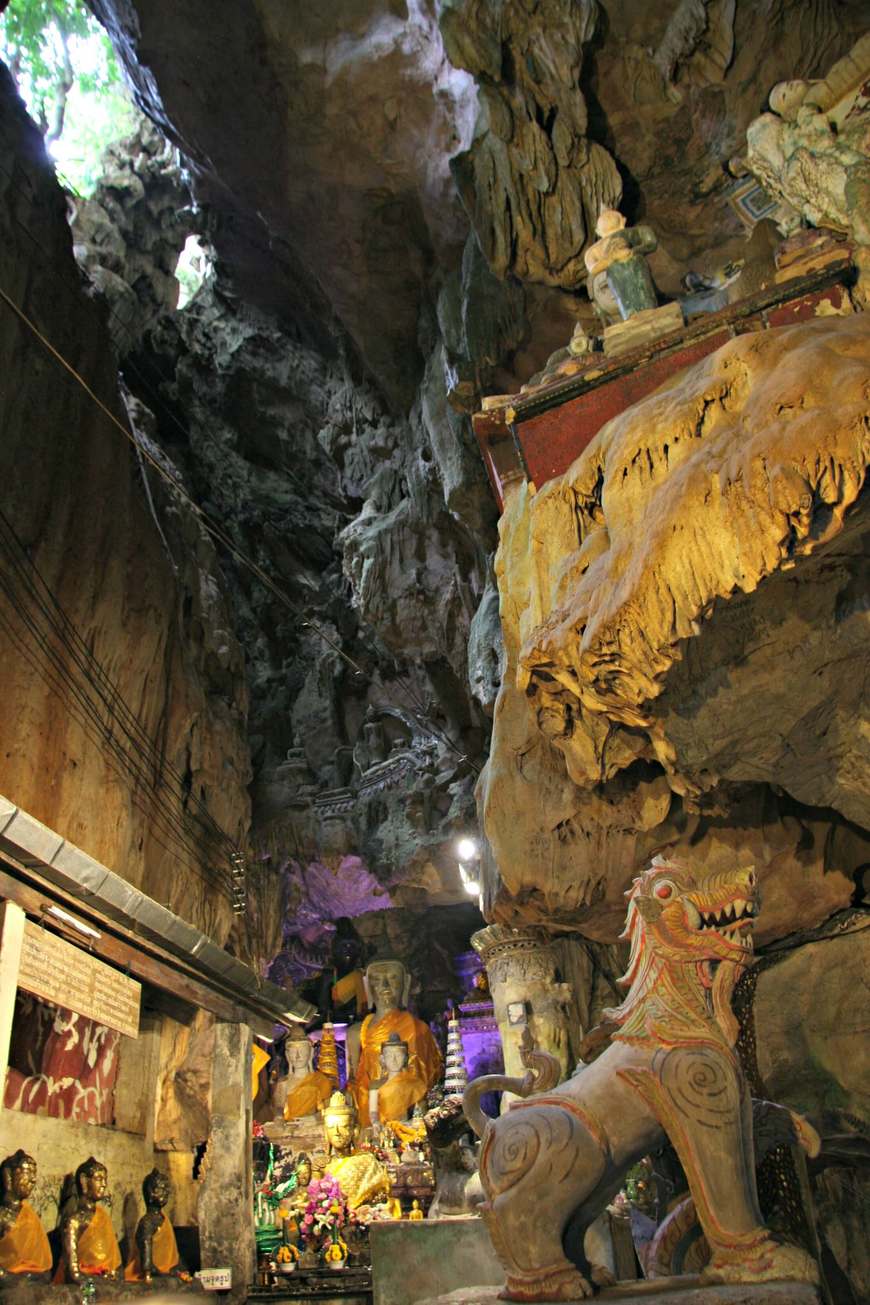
[55, 674]
[420, 708]
[97, 702]
[218, 533]
[109, 695]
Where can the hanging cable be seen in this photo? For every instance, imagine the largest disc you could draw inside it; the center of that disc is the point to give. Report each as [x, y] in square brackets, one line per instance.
[84, 659]
[97, 703]
[218, 533]
[419, 706]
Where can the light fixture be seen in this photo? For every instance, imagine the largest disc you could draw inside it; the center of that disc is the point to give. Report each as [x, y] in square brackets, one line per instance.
[80, 927]
[469, 882]
[466, 849]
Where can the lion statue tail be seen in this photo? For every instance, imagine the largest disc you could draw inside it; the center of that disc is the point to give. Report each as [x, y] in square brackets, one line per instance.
[543, 1072]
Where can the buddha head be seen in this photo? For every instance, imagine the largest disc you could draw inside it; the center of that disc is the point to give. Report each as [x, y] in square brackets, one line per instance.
[339, 1125]
[92, 1180]
[156, 1190]
[393, 1055]
[610, 220]
[388, 984]
[299, 1052]
[18, 1175]
[303, 1171]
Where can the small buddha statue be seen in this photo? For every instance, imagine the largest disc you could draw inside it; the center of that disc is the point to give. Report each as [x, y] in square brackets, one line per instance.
[24, 1247]
[617, 264]
[394, 1094]
[415, 1213]
[89, 1247]
[388, 983]
[303, 1092]
[362, 1178]
[155, 1251]
[292, 1208]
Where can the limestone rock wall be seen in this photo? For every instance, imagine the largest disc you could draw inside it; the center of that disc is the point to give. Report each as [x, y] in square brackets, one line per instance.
[685, 622]
[73, 494]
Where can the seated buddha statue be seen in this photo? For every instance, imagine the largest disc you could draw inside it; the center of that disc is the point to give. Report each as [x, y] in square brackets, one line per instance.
[155, 1250]
[89, 1247]
[388, 982]
[362, 1178]
[393, 1095]
[304, 1090]
[24, 1245]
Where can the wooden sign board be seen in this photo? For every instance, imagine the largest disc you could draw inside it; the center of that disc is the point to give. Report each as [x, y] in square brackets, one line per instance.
[67, 976]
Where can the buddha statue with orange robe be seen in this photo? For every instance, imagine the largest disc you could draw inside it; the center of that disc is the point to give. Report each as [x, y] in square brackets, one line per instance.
[89, 1247]
[24, 1247]
[305, 1090]
[394, 1094]
[155, 1250]
[388, 982]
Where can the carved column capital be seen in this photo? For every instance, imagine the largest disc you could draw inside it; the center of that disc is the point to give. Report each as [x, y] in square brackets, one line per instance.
[523, 953]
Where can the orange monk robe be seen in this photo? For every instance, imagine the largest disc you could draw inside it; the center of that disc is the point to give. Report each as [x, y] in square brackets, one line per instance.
[351, 988]
[98, 1249]
[424, 1058]
[309, 1095]
[24, 1247]
[164, 1254]
[259, 1058]
[399, 1095]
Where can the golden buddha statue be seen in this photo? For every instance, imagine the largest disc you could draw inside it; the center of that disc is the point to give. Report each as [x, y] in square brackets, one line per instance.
[89, 1245]
[304, 1090]
[394, 1094]
[155, 1251]
[362, 1178]
[24, 1245]
[388, 983]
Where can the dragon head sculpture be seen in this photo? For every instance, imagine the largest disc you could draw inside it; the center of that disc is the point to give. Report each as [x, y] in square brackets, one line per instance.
[688, 916]
[683, 923]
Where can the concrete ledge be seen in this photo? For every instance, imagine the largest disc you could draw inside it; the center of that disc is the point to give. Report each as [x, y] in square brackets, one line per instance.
[417, 1261]
[664, 1291]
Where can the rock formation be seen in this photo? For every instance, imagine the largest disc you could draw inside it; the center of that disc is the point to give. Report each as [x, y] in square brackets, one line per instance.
[397, 199]
[76, 512]
[654, 602]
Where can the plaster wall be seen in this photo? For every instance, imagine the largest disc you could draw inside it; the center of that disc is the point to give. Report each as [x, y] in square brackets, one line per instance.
[59, 1147]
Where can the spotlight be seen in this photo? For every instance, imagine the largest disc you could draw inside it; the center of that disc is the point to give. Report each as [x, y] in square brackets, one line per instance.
[466, 849]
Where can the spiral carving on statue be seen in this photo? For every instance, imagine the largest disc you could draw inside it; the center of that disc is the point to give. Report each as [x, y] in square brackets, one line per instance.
[702, 1085]
[515, 1152]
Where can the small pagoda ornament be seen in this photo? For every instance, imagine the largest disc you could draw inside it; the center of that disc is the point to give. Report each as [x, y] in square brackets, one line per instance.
[455, 1076]
[327, 1060]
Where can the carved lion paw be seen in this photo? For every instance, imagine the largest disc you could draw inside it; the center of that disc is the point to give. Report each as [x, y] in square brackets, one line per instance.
[771, 1262]
[565, 1284]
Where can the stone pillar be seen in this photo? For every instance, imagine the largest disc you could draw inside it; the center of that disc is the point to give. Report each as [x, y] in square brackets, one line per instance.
[225, 1208]
[522, 969]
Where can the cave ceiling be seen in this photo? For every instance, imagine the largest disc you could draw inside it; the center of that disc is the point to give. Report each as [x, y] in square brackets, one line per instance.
[344, 149]
[398, 197]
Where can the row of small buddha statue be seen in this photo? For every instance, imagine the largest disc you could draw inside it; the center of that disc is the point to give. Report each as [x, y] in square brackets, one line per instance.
[393, 1059]
[89, 1247]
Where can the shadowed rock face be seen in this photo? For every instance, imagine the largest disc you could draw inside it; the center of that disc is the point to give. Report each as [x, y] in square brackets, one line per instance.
[685, 616]
[321, 134]
[146, 601]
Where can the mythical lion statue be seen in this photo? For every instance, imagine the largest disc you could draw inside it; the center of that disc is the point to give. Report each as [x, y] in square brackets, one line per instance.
[553, 1161]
